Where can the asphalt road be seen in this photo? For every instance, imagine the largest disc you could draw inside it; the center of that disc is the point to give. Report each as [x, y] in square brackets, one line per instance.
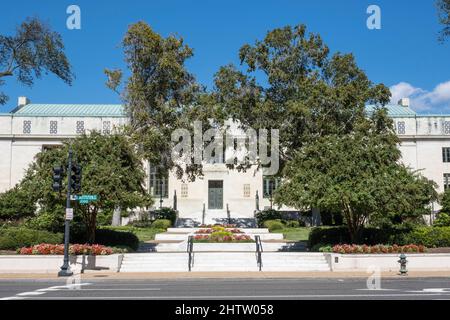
[227, 289]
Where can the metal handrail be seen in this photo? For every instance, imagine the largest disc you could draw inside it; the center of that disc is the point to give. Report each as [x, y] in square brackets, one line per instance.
[190, 251]
[259, 250]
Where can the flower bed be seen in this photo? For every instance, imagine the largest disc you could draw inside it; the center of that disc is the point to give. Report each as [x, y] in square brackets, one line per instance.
[217, 238]
[212, 230]
[377, 249]
[58, 249]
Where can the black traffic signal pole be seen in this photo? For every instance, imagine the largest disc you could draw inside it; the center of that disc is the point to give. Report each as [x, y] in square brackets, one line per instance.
[65, 268]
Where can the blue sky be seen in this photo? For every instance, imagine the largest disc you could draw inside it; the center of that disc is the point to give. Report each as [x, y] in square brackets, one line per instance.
[404, 55]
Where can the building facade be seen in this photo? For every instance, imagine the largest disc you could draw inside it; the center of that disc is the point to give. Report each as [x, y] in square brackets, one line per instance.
[30, 128]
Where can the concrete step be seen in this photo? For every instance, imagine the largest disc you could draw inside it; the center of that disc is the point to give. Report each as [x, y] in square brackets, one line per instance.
[224, 261]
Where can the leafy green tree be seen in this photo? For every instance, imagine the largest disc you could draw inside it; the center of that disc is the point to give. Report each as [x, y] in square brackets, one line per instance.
[293, 83]
[160, 94]
[356, 173]
[444, 18]
[15, 204]
[111, 169]
[445, 201]
[33, 50]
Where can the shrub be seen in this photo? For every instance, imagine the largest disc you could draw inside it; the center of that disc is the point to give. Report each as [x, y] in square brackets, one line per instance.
[13, 238]
[292, 224]
[165, 213]
[326, 249]
[48, 221]
[429, 236]
[269, 214]
[273, 225]
[443, 220]
[16, 204]
[162, 224]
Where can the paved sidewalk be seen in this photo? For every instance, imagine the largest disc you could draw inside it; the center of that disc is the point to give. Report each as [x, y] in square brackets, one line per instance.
[228, 275]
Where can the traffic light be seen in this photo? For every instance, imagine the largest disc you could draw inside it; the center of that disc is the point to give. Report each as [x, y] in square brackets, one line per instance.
[76, 178]
[58, 172]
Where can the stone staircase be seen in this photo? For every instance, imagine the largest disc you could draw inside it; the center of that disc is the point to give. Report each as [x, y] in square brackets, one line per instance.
[215, 217]
[224, 262]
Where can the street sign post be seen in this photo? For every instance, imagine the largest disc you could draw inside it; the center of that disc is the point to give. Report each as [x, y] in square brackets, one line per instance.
[86, 198]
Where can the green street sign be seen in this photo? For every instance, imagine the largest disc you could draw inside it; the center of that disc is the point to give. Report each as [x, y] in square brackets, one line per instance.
[86, 198]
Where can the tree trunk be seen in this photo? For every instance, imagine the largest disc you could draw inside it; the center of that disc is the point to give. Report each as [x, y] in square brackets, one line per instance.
[91, 226]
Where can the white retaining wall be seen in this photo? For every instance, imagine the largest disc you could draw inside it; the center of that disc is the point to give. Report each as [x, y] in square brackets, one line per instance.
[53, 263]
[389, 262]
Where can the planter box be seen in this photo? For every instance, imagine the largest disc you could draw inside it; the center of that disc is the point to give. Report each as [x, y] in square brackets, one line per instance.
[389, 262]
[52, 263]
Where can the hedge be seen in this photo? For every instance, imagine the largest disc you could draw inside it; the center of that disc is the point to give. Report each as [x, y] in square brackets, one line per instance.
[110, 238]
[369, 236]
[13, 238]
[430, 237]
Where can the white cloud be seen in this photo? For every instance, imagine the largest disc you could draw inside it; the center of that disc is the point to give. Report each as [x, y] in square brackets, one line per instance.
[423, 100]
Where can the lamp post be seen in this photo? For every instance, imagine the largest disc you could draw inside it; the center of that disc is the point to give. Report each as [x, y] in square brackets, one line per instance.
[65, 268]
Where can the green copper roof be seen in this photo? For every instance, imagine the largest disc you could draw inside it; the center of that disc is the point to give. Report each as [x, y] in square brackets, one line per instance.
[71, 110]
[395, 110]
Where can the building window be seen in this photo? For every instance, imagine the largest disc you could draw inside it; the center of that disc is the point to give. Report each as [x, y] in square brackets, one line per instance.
[446, 127]
[246, 191]
[106, 127]
[159, 182]
[446, 180]
[270, 184]
[53, 127]
[445, 154]
[80, 127]
[27, 126]
[401, 129]
[184, 190]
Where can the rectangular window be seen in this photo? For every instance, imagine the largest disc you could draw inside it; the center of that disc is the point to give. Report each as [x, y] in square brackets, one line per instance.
[270, 184]
[80, 127]
[106, 127]
[159, 182]
[53, 127]
[446, 127]
[246, 191]
[446, 180]
[27, 126]
[445, 154]
[401, 128]
[184, 190]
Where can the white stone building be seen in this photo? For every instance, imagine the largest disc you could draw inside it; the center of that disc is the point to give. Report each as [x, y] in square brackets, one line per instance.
[31, 128]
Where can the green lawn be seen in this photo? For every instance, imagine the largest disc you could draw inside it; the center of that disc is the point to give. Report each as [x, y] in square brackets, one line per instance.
[144, 234]
[296, 234]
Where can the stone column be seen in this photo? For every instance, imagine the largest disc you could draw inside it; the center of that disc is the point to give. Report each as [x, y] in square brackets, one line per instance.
[116, 220]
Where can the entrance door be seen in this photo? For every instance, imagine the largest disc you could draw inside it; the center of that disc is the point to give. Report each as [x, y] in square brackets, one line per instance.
[215, 194]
